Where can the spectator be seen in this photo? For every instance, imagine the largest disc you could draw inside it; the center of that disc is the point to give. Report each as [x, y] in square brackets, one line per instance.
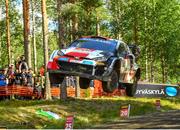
[38, 87]
[23, 77]
[6, 74]
[42, 69]
[22, 64]
[17, 77]
[17, 62]
[10, 74]
[30, 81]
[42, 75]
[2, 78]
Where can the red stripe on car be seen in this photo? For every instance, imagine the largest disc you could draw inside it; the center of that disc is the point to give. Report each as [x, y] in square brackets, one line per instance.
[77, 54]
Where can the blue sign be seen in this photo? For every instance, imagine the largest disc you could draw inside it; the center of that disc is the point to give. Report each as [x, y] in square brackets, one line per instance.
[88, 62]
[171, 91]
[63, 59]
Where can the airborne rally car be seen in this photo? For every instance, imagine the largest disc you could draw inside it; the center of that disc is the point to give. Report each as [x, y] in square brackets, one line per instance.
[108, 60]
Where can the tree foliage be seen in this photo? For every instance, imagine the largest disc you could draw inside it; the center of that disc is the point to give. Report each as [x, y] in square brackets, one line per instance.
[151, 24]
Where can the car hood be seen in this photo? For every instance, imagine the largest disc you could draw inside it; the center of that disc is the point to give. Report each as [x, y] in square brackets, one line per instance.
[86, 53]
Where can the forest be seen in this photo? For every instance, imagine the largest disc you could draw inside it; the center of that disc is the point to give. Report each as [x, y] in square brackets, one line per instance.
[153, 25]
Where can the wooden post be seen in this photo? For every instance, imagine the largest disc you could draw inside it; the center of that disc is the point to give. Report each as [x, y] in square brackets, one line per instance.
[63, 94]
[77, 88]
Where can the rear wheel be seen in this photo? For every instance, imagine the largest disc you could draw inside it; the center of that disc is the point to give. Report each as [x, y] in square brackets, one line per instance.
[84, 83]
[112, 84]
[131, 88]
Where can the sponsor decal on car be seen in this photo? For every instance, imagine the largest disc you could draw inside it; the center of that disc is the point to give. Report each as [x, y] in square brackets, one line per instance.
[63, 59]
[88, 62]
[83, 52]
[75, 61]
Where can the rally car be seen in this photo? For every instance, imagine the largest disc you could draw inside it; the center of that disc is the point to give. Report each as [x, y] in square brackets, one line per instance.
[94, 57]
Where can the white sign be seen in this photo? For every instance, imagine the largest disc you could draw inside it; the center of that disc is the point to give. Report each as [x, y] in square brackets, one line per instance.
[69, 122]
[125, 111]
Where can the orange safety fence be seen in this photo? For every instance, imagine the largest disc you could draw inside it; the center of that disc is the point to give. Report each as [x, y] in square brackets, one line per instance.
[16, 90]
[94, 92]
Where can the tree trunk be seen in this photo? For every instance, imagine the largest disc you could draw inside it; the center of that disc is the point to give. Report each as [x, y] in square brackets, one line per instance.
[75, 36]
[34, 36]
[27, 45]
[61, 40]
[97, 27]
[163, 69]
[8, 33]
[147, 72]
[145, 43]
[74, 23]
[45, 45]
[152, 65]
[153, 42]
[75, 26]
[0, 36]
[135, 29]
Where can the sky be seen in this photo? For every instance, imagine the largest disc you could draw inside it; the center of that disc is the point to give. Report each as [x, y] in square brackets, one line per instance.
[18, 6]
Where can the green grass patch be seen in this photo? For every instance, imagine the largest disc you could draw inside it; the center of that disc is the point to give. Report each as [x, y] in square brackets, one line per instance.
[87, 112]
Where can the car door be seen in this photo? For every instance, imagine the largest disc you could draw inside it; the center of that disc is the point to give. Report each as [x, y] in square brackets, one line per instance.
[124, 61]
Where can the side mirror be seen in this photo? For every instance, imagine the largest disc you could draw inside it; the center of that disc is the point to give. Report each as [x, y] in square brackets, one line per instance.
[135, 50]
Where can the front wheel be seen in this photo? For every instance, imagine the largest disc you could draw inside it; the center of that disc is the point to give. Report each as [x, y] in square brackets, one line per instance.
[112, 84]
[131, 88]
[56, 78]
[84, 83]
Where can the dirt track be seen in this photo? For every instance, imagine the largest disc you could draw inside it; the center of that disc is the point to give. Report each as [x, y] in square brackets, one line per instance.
[163, 120]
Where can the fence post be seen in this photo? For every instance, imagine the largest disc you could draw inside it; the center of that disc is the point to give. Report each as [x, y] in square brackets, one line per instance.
[63, 93]
[77, 87]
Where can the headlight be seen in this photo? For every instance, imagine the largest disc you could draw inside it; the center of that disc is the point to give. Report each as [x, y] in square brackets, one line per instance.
[100, 59]
[60, 53]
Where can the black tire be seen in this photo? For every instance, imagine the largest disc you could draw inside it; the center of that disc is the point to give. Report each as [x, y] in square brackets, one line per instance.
[110, 86]
[84, 83]
[56, 78]
[131, 88]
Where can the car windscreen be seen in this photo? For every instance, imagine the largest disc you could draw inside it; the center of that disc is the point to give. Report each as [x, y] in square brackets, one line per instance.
[103, 45]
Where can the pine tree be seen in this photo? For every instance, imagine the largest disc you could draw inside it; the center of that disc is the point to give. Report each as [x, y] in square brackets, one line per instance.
[27, 45]
[45, 46]
[8, 32]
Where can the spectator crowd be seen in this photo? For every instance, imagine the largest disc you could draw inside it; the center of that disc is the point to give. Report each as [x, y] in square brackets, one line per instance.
[21, 74]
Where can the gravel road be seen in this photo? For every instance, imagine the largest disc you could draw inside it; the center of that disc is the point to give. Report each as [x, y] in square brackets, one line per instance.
[163, 120]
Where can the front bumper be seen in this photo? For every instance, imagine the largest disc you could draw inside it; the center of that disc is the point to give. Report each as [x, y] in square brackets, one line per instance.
[83, 75]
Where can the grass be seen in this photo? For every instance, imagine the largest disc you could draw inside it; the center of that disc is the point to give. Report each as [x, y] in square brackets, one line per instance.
[88, 112]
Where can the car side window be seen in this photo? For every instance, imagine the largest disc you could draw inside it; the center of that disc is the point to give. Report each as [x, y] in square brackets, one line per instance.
[122, 50]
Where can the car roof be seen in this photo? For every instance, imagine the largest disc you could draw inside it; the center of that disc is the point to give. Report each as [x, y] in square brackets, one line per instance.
[99, 38]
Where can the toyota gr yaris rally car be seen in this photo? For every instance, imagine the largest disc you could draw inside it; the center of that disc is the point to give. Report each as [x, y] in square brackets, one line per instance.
[108, 60]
